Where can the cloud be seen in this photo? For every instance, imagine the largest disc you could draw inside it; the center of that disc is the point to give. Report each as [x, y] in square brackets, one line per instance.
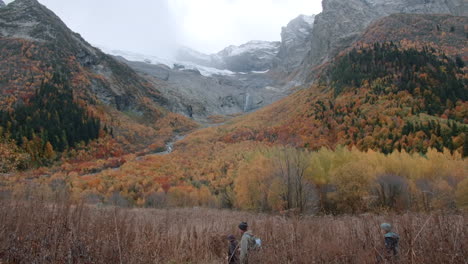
[211, 25]
[158, 27]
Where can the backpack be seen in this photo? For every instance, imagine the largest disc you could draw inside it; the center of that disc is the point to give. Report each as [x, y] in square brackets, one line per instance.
[258, 243]
[255, 243]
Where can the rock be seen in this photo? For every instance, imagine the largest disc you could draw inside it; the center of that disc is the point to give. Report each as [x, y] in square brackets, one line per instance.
[2, 4]
[294, 42]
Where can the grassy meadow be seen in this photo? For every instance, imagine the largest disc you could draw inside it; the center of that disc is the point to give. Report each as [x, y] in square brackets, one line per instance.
[36, 231]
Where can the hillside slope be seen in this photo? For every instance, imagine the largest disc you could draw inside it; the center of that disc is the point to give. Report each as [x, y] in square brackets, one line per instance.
[342, 22]
[35, 46]
[396, 88]
[383, 114]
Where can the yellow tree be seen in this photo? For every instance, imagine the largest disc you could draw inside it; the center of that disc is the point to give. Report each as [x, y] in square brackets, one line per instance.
[49, 152]
[353, 181]
[253, 182]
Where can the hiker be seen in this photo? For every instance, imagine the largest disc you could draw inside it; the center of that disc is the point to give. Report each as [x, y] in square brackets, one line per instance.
[391, 241]
[233, 250]
[247, 242]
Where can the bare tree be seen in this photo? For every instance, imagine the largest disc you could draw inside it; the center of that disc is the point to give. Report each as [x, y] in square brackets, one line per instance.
[291, 166]
[392, 191]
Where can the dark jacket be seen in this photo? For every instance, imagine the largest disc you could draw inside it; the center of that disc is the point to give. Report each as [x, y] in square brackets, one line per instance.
[233, 252]
[391, 243]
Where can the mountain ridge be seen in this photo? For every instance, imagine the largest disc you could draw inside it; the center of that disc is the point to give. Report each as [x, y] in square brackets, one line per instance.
[294, 39]
[35, 46]
[341, 23]
[373, 79]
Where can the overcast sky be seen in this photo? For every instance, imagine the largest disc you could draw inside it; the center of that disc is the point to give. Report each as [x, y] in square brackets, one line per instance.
[158, 26]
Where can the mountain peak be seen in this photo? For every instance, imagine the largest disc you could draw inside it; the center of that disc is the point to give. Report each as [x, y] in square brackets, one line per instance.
[308, 19]
[29, 19]
[293, 41]
[2, 4]
[26, 3]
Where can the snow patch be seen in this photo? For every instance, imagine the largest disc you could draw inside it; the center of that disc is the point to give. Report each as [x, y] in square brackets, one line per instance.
[205, 71]
[271, 88]
[150, 59]
[251, 46]
[260, 71]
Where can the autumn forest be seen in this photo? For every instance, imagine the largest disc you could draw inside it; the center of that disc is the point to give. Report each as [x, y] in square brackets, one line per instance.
[384, 129]
[103, 162]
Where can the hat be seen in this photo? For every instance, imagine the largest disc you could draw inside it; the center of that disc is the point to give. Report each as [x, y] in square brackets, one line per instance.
[386, 226]
[243, 226]
[231, 237]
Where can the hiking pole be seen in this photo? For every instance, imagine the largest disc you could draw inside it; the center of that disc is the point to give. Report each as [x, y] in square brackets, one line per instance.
[380, 255]
[233, 253]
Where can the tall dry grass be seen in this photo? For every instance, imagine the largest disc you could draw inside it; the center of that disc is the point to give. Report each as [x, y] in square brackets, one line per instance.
[40, 232]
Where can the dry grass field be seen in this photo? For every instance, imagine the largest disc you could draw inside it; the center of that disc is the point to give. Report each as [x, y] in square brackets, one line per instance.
[39, 232]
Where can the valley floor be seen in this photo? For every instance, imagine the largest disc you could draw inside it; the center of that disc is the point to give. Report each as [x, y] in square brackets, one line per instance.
[39, 232]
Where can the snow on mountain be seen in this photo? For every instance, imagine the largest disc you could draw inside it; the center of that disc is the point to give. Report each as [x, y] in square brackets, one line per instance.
[194, 54]
[251, 47]
[171, 63]
[249, 57]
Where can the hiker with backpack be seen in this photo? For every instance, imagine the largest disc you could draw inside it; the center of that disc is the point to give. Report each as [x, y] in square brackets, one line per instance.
[391, 240]
[248, 243]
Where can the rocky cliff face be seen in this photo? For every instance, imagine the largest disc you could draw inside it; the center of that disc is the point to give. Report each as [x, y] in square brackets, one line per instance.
[294, 42]
[342, 21]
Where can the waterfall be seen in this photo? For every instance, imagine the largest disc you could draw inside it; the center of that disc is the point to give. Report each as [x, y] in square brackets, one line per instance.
[246, 103]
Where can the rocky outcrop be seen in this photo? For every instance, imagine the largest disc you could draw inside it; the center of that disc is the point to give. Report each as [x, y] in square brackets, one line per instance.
[2, 4]
[294, 39]
[342, 21]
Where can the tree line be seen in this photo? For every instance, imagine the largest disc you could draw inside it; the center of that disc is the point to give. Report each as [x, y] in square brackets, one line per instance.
[50, 122]
[390, 69]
